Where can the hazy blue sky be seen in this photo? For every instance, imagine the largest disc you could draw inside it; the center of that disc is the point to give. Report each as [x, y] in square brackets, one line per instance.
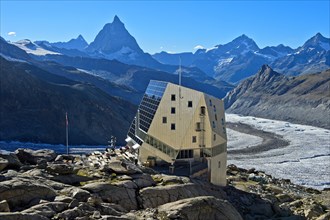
[169, 25]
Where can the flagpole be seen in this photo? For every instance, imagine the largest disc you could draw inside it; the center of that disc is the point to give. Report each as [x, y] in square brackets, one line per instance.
[67, 133]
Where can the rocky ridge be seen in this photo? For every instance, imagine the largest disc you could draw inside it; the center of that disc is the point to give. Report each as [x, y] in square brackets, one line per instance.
[43, 185]
[303, 99]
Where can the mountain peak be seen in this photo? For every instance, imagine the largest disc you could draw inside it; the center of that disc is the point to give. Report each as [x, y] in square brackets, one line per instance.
[317, 41]
[80, 37]
[113, 38]
[116, 20]
[266, 72]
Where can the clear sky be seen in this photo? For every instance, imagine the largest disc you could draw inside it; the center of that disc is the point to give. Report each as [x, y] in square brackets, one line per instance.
[174, 26]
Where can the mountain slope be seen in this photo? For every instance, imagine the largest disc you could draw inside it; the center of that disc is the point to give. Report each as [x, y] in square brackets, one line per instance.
[304, 99]
[313, 56]
[34, 102]
[137, 77]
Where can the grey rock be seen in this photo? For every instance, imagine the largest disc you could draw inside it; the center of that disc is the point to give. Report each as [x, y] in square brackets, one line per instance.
[34, 157]
[20, 192]
[284, 198]
[3, 163]
[13, 161]
[313, 211]
[199, 208]
[114, 194]
[48, 209]
[123, 167]
[21, 216]
[143, 180]
[73, 204]
[325, 216]
[76, 193]
[262, 208]
[71, 179]
[152, 197]
[62, 198]
[4, 207]
[61, 168]
[127, 184]
[111, 209]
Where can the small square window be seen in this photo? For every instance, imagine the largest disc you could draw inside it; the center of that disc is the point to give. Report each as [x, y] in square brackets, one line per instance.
[194, 139]
[172, 126]
[203, 110]
[173, 110]
[173, 97]
[164, 120]
[189, 104]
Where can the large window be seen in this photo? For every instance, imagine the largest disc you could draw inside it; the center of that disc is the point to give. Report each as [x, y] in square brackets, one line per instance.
[185, 154]
[194, 139]
[189, 104]
[164, 120]
[148, 108]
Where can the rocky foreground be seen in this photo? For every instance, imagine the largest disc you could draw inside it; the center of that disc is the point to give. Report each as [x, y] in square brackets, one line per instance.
[42, 185]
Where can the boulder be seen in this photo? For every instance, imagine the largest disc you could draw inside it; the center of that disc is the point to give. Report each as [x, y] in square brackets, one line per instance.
[62, 198]
[110, 209]
[313, 211]
[143, 180]
[325, 216]
[61, 169]
[125, 197]
[21, 216]
[262, 208]
[121, 167]
[20, 192]
[48, 209]
[34, 157]
[71, 179]
[199, 208]
[152, 197]
[127, 184]
[76, 193]
[13, 161]
[4, 207]
[284, 198]
[3, 163]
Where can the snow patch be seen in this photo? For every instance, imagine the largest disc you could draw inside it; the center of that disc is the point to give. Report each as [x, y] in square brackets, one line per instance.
[12, 59]
[32, 48]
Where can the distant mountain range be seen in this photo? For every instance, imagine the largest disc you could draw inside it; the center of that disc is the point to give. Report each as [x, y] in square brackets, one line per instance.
[241, 58]
[100, 84]
[303, 99]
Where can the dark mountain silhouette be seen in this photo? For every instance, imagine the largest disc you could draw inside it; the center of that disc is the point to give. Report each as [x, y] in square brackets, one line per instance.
[34, 102]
